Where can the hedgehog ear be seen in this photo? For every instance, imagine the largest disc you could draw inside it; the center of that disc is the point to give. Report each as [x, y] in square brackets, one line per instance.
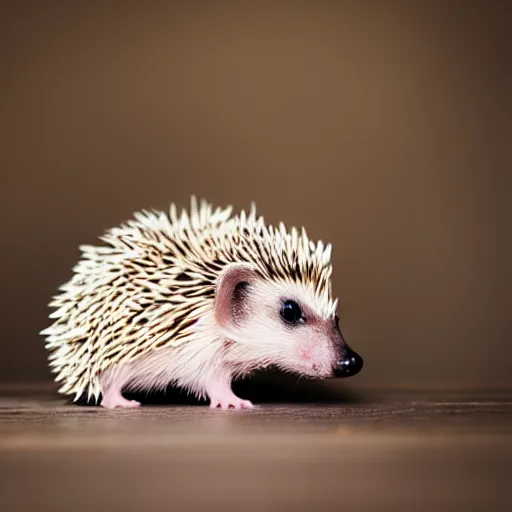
[231, 293]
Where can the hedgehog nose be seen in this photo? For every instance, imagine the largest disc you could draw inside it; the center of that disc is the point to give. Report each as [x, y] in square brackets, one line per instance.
[350, 365]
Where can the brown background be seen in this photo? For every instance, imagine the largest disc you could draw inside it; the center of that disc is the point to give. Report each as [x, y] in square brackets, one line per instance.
[385, 130]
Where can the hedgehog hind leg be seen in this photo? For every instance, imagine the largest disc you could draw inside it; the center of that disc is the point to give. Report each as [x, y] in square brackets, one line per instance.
[112, 384]
[114, 399]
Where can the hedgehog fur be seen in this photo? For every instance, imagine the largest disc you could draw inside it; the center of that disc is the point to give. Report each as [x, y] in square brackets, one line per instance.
[188, 299]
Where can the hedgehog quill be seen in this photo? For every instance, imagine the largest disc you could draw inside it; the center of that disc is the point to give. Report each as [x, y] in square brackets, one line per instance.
[196, 300]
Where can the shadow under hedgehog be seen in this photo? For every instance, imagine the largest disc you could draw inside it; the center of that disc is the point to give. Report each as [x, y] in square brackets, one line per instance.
[195, 300]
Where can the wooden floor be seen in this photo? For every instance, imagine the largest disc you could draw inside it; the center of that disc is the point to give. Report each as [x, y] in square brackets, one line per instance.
[409, 452]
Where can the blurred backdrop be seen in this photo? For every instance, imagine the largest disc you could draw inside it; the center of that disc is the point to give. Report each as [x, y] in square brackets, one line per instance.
[383, 129]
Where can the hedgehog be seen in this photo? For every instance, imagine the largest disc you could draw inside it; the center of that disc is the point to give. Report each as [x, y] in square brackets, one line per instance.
[195, 300]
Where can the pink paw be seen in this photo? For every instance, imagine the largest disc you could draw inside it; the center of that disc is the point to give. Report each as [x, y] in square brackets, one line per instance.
[230, 403]
[119, 401]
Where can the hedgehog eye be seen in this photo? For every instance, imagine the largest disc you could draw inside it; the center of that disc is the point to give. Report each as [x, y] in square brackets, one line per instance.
[291, 312]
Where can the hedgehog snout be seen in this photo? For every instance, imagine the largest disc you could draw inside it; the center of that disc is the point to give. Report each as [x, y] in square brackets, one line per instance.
[349, 364]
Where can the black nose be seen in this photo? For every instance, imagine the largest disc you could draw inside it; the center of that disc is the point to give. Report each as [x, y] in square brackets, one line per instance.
[349, 366]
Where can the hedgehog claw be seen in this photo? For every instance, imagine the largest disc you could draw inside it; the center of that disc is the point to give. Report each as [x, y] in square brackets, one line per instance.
[232, 403]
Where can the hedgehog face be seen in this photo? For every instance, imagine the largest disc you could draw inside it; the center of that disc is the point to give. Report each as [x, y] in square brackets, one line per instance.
[281, 324]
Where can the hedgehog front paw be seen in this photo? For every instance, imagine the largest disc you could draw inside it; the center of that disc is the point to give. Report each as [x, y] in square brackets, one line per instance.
[230, 402]
[222, 397]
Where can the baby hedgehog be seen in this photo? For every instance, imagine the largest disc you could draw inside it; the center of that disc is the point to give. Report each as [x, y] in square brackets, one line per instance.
[195, 300]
